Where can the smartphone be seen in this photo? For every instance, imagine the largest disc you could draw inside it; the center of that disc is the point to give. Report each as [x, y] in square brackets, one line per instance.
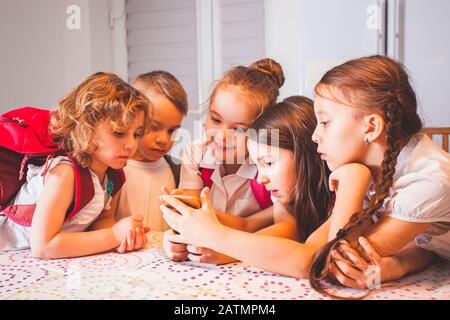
[191, 201]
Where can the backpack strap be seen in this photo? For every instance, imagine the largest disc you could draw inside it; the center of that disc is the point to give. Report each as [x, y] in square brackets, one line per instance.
[117, 178]
[205, 174]
[175, 168]
[260, 192]
[84, 188]
[22, 214]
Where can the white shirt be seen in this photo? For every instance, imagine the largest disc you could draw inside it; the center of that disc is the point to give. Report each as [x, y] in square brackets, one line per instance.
[230, 194]
[14, 236]
[421, 192]
[141, 191]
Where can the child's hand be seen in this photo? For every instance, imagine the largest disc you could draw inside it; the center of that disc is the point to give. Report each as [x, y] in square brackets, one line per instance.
[122, 227]
[135, 240]
[195, 226]
[166, 191]
[352, 270]
[175, 251]
[206, 255]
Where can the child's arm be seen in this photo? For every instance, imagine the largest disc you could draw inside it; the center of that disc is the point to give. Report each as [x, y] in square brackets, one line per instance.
[351, 270]
[254, 222]
[201, 228]
[284, 227]
[350, 183]
[47, 240]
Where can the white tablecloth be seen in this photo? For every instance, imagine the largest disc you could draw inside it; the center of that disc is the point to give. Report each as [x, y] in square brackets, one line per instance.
[149, 274]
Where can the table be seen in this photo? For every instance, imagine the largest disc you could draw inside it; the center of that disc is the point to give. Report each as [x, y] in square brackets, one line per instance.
[149, 274]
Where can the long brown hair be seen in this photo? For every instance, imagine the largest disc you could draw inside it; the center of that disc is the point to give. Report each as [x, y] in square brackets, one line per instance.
[294, 120]
[379, 84]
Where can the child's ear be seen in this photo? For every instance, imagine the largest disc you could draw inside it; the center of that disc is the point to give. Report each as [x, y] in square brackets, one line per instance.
[373, 126]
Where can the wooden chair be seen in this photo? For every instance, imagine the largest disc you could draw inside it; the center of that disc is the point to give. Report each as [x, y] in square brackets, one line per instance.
[443, 132]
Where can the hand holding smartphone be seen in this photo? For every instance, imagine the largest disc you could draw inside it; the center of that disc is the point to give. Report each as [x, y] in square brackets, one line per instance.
[191, 201]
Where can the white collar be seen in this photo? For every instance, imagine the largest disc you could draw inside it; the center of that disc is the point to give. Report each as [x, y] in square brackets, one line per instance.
[247, 170]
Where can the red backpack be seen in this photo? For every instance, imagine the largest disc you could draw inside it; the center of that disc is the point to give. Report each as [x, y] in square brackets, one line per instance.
[260, 192]
[25, 139]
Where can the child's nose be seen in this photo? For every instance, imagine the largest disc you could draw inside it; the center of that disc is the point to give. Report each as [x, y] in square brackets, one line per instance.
[163, 138]
[315, 136]
[131, 143]
[262, 179]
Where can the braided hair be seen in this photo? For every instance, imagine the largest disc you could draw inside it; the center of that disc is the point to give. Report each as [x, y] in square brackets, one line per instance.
[382, 85]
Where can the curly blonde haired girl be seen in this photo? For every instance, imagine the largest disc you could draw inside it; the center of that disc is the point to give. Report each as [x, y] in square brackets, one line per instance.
[97, 127]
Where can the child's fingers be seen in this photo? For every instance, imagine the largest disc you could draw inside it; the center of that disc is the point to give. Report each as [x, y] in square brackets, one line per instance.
[122, 246]
[353, 256]
[138, 239]
[206, 201]
[368, 249]
[146, 229]
[177, 247]
[176, 256]
[130, 240]
[172, 218]
[178, 238]
[194, 249]
[144, 237]
[196, 258]
[344, 280]
[177, 204]
[165, 190]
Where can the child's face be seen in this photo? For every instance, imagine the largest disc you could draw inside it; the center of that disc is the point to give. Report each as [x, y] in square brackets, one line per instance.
[275, 169]
[227, 120]
[166, 120]
[116, 147]
[339, 134]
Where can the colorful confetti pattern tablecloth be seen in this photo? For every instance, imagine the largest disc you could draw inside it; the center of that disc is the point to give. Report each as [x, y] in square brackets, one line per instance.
[149, 274]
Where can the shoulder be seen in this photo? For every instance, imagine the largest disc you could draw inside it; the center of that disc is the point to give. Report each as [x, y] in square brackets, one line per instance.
[195, 151]
[421, 188]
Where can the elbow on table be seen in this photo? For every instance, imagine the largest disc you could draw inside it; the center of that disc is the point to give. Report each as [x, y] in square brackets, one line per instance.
[43, 251]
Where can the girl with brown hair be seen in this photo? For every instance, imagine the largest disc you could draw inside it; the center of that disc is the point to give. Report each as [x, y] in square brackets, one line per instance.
[367, 116]
[220, 159]
[290, 168]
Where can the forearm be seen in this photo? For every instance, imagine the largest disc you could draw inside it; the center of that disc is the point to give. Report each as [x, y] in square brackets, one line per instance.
[281, 229]
[252, 223]
[411, 259]
[274, 254]
[232, 221]
[103, 223]
[76, 244]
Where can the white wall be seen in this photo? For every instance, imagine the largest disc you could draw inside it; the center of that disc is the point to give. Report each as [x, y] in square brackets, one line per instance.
[40, 58]
[281, 31]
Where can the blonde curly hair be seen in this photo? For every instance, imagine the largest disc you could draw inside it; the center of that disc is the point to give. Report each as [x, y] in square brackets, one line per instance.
[102, 96]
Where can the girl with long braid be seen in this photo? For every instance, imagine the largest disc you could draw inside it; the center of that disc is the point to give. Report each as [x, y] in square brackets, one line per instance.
[366, 113]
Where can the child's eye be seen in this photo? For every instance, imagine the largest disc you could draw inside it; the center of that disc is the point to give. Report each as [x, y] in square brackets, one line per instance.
[154, 128]
[267, 163]
[323, 123]
[240, 130]
[215, 120]
[138, 134]
[119, 134]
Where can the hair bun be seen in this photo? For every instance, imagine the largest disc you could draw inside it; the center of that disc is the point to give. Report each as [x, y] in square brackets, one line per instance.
[271, 68]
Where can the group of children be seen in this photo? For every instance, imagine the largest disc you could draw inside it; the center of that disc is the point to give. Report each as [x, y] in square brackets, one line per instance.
[322, 190]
